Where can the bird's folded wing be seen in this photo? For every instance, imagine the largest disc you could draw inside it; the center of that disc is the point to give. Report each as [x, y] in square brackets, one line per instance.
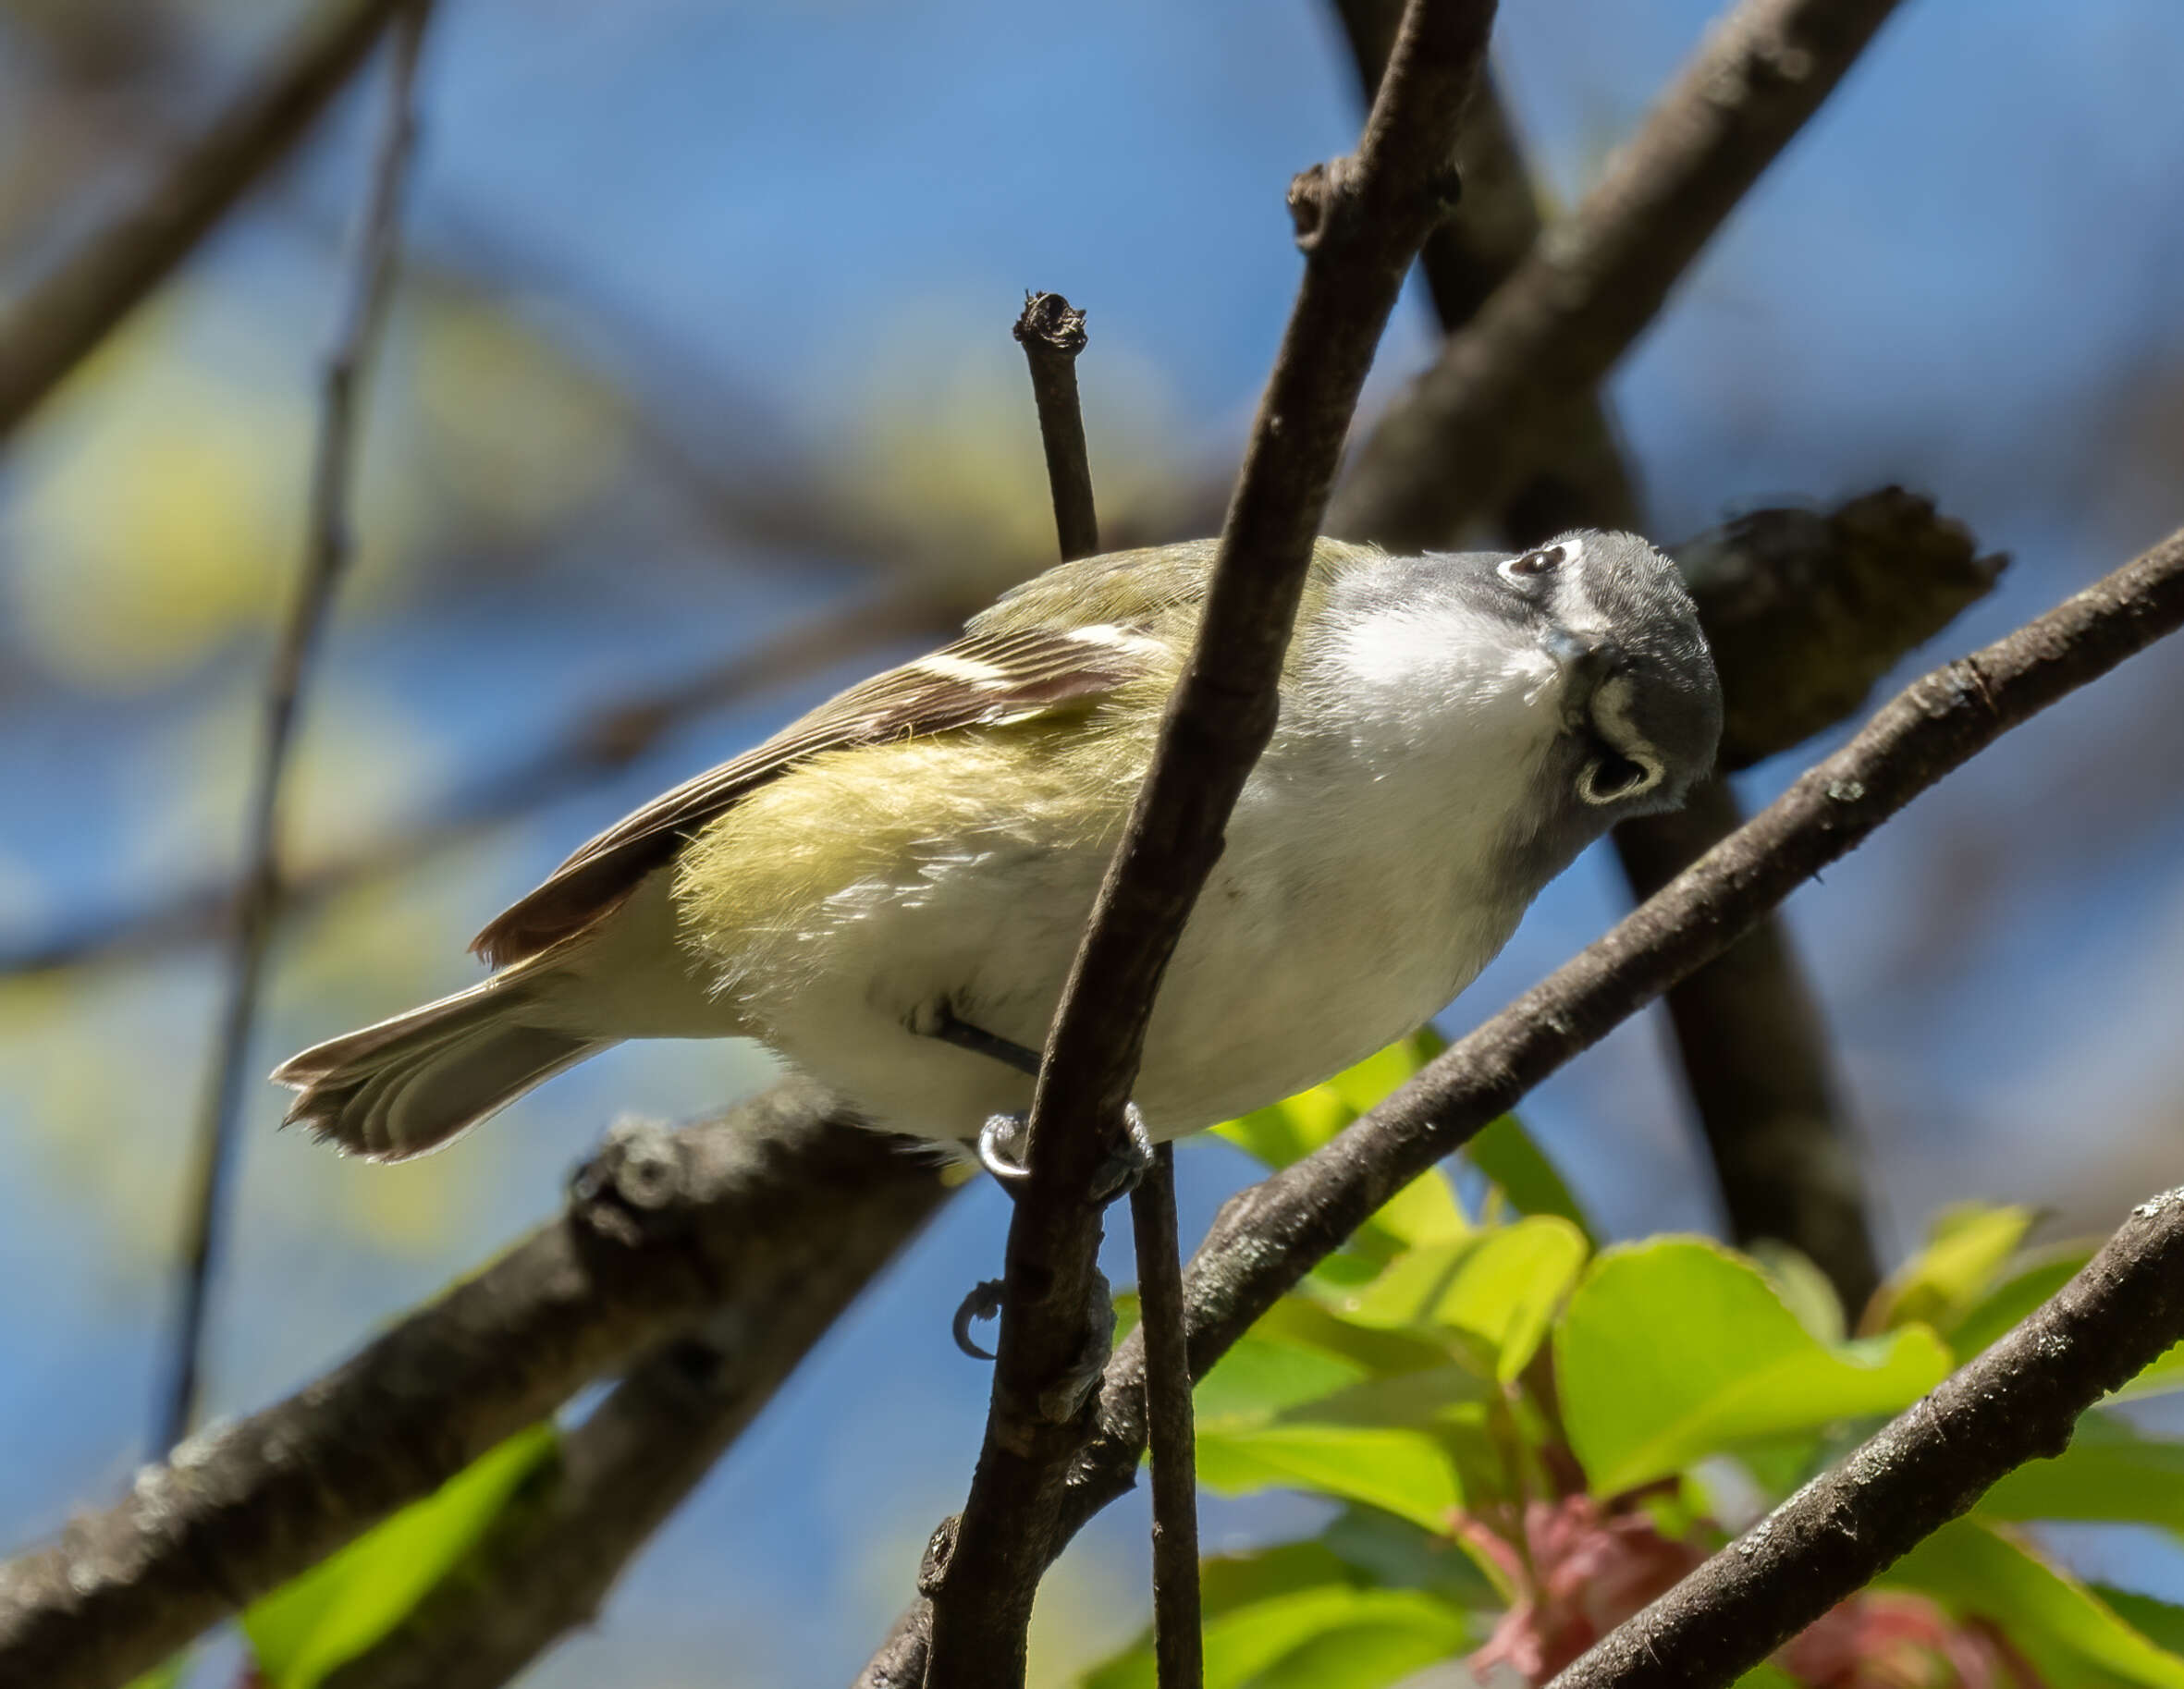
[986, 678]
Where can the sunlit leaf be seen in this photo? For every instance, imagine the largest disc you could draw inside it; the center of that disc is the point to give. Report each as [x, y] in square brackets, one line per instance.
[1803, 1288]
[341, 1607]
[1334, 1636]
[2160, 1622]
[2074, 1639]
[1406, 1473]
[1674, 1350]
[1500, 1286]
[1965, 1250]
[1506, 1154]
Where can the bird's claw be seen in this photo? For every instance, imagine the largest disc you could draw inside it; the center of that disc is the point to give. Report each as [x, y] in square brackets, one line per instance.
[1002, 1143]
[983, 1303]
[1002, 1146]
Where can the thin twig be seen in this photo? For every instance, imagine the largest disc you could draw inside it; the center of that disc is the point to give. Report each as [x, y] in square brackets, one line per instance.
[1178, 1644]
[663, 1233]
[2016, 1402]
[52, 329]
[1360, 223]
[1465, 432]
[327, 552]
[1268, 1237]
[1051, 332]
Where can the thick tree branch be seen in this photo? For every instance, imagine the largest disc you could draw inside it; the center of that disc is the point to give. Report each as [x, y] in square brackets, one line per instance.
[1268, 1237]
[547, 1564]
[1464, 433]
[327, 546]
[2018, 1401]
[663, 1232]
[1360, 223]
[50, 329]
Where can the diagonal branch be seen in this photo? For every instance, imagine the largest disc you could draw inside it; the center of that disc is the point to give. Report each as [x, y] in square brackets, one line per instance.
[1268, 1237]
[1360, 223]
[327, 545]
[55, 326]
[662, 1232]
[2017, 1401]
[1465, 432]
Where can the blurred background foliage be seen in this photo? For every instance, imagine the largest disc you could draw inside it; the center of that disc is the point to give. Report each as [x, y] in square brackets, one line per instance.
[703, 353]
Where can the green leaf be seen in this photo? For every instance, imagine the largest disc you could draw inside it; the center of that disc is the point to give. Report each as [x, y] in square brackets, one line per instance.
[1392, 1553]
[2034, 1282]
[1405, 1472]
[1265, 1371]
[1424, 1210]
[1409, 1401]
[1990, 1318]
[1674, 1350]
[342, 1606]
[1766, 1675]
[1505, 1153]
[1803, 1288]
[2158, 1622]
[1333, 1636]
[2074, 1639]
[1500, 1286]
[2109, 1473]
[1965, 1250]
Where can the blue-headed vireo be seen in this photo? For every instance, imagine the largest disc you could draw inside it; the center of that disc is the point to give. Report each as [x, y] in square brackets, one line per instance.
[919, 856]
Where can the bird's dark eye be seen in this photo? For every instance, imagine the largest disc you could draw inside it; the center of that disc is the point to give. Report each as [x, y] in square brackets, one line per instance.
[1535, 562]
[1611, 777]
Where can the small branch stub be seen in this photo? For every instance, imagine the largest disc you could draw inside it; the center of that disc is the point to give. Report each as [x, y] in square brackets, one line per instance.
[1051, 332]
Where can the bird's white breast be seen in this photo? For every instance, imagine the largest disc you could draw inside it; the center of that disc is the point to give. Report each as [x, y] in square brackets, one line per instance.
[1359, 891]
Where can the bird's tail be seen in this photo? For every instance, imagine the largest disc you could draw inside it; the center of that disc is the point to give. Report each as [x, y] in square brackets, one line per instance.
[408, 1085]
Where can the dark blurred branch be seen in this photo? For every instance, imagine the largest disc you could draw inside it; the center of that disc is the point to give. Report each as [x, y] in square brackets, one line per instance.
[1360, 221]
[1583, 481]
[1268, 1237]
[770, 1215]
[50, 329]
[547, 1563]
[2016, 1402]
[1464, 436]
[1805, 611]
[327, 546]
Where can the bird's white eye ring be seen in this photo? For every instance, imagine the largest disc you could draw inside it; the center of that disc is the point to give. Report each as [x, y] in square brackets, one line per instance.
[1536, 562]
[1615, 774]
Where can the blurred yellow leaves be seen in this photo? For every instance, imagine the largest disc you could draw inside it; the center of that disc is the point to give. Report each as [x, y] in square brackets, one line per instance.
[523, 435]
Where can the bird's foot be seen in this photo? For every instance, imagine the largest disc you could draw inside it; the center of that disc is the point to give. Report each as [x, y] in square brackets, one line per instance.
[1064, 1398]
[1001, 1144]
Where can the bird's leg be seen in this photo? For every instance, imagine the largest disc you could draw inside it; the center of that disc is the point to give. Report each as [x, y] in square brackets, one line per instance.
[1001, 1139]
[1002, 1143]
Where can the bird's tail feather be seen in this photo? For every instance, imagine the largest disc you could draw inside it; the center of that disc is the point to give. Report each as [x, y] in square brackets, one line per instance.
[410, 1084]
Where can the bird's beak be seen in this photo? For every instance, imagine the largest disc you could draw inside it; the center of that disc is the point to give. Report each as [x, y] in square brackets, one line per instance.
[1586, 660]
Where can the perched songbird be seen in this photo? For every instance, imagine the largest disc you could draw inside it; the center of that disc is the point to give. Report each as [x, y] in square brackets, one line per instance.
[894, 888]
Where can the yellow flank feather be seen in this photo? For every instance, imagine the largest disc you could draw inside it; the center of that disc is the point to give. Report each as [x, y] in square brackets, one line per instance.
[809, 850]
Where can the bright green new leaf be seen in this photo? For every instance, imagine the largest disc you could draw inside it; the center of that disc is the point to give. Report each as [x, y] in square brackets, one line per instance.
[1392, 1553]
[1500, 1286]
[1766, 1675]
[1405, 1399]
[1265, 1371]
[342, 1606]
[2034, 1281]
[1965, 1250]
[1424, 1210]
[165, 1675]
[2073, 1639]
[1406, 1473]
[1509, 1157]
[2108, 1473]
[1333, 1637]
[1803, 1288]
[1674, 1350]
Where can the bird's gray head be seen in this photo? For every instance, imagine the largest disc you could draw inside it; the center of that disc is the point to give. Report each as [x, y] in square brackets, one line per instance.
[1568, 688]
